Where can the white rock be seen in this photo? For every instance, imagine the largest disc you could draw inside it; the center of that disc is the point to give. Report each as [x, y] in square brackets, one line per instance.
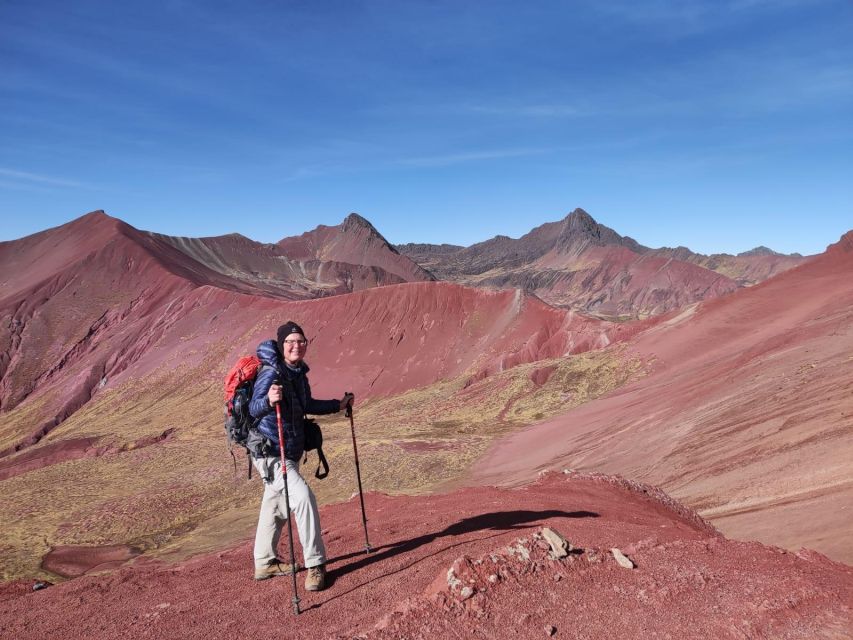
[560, 547]
[622, 559]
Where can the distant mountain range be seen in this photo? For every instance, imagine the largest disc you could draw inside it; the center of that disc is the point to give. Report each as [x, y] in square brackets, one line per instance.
[574, 263]
[578, 263]
[84, 278]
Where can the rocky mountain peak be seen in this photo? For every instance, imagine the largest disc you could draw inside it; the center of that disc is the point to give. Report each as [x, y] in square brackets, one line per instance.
[580, 220]
[354, 222]
[758, 251]
[581, 227]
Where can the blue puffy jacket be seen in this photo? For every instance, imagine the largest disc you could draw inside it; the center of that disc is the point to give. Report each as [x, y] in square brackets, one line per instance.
[297, 401]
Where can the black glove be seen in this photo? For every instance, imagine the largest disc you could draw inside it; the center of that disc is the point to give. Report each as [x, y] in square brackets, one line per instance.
[347, 400]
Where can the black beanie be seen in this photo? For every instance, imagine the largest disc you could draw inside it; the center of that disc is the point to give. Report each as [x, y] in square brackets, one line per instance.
[285, 330]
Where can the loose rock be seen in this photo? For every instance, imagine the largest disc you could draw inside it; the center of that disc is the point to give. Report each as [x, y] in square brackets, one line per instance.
[622, 559]
[560, 547]
[550, 629]
[519, 550]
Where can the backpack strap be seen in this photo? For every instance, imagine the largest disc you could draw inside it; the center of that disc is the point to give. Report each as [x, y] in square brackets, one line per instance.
[322, 462]
[255, 423]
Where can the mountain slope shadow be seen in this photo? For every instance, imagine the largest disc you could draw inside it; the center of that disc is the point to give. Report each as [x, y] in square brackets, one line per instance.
[500, 521]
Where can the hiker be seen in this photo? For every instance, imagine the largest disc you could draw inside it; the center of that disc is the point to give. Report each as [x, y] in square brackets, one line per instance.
[283, 379]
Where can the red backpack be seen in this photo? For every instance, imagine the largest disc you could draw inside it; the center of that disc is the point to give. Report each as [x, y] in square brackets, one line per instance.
[239, 385]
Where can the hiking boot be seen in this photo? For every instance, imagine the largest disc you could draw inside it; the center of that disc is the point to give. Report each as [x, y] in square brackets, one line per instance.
[273, 569]
[316, 579]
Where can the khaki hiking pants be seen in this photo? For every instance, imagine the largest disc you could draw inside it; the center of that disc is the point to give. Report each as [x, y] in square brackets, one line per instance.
[273, 514]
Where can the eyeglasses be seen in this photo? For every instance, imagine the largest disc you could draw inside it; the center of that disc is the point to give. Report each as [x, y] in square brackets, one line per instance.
[292, 343]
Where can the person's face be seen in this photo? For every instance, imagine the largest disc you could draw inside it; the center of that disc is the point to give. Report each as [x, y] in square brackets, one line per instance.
[294, 347]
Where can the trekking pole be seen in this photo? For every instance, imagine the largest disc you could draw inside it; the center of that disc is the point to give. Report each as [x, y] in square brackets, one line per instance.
[367, 548]
[287, 506]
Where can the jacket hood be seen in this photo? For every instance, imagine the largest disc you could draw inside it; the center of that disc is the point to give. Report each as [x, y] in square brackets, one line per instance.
[268, 353]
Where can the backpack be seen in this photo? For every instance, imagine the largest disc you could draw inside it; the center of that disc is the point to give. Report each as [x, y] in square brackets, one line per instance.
[239, 385]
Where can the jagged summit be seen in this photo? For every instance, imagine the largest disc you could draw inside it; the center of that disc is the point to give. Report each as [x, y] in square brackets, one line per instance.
[762, 251]
[579, 225]
[580, 221]
[355, 241]
[759, 251]
[357, 221]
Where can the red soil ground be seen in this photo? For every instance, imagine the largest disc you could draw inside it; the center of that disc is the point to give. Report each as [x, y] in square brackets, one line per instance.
[688, 582]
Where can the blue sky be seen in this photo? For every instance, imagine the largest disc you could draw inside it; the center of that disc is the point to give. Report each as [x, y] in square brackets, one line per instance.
[717, 125]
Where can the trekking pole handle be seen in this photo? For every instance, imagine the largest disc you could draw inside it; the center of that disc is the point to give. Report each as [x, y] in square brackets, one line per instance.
[348, 411]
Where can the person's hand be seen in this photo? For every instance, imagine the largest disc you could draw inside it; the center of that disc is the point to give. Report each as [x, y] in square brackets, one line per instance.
[347, 400]
[274, 394]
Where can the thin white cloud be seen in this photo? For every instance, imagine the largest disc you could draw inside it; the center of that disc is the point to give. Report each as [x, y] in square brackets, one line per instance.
[471, 156]
[535, 110]
[690, 17]
[26, 178]
[349, 165]
[306, 173]
[531, 110]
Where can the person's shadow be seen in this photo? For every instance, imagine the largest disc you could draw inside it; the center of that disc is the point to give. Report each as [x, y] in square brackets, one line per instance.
[498, 521]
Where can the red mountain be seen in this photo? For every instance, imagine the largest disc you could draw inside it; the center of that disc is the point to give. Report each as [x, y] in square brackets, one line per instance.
[354, 241]
[748, 415]
[97, 301]
[75, 283]
[271, 271]
[581, 264]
